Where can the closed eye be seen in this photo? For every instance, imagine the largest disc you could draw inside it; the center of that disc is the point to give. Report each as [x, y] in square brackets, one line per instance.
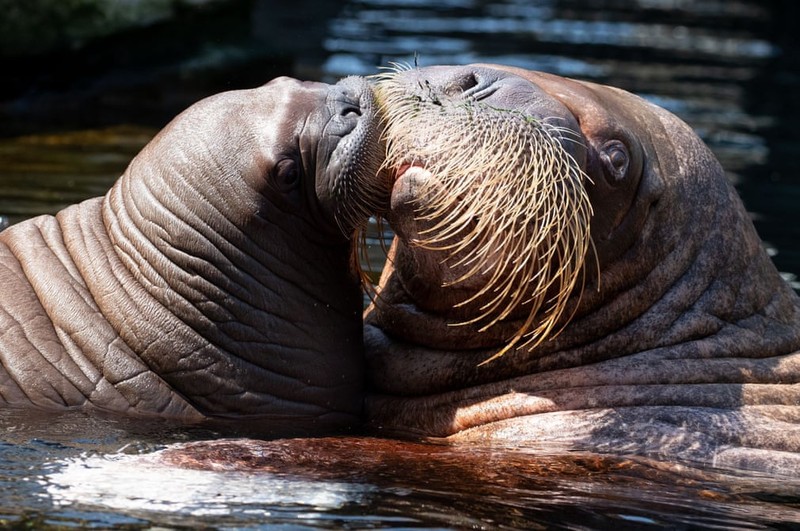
[286, 175]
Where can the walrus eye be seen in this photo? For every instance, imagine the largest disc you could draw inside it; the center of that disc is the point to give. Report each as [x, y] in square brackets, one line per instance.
[615, 159]
[286, 175]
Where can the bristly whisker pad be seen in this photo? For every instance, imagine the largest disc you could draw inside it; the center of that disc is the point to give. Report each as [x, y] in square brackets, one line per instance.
[508, 203]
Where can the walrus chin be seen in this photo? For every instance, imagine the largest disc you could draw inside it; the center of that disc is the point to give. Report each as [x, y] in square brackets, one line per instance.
[497, 199]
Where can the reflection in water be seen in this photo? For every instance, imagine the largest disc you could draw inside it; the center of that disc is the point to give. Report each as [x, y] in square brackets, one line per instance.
[131, 483]
[364, 482]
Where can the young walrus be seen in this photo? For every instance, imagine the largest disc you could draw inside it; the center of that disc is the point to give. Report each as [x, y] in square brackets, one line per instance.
[572, 267]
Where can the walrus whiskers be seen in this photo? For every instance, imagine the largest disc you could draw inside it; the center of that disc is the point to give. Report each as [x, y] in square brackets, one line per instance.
[507, 203]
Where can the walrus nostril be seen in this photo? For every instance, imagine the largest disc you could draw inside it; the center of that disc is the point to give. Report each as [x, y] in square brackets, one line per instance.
[348, 110]
[463, 85]
[469, 81]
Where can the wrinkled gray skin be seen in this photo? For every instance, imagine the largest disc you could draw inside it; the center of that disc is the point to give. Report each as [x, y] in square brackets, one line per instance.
[213, 280]
[687, 347]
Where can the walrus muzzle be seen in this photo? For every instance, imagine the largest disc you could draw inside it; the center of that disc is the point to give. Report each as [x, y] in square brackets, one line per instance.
[498, 199]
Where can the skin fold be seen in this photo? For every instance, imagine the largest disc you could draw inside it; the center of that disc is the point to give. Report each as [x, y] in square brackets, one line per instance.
[214, 280]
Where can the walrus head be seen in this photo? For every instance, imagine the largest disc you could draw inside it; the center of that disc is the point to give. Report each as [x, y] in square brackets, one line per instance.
[241, 213]
[524, 202]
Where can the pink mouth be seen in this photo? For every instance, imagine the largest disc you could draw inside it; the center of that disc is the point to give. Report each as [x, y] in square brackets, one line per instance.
[401, 170]
[409, 179]
[410, 187]
[405, 168]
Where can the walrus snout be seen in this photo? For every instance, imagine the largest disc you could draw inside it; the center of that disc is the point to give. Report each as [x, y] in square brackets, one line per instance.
[352, 97]
[354, 186]
[489, 199]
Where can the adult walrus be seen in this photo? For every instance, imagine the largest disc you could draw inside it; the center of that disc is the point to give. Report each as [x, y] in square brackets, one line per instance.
[572, 268]
[214, 279]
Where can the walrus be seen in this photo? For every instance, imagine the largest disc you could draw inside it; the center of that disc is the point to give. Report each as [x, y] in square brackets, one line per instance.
[215, 279]
[572, 268]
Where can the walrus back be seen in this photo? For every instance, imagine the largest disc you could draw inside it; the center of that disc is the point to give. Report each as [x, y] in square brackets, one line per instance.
[36, 266]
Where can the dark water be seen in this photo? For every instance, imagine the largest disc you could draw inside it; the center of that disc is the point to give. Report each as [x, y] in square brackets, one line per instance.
[729, 68]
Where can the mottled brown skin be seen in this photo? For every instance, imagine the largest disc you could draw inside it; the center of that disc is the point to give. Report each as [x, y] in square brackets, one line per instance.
[214, 279]
[686, 347]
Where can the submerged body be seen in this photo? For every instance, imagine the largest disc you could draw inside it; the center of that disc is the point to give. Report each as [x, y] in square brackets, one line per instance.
[678, 338]
[214, 279]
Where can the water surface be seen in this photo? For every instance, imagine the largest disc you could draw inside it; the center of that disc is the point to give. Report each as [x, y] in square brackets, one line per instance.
[76, 470]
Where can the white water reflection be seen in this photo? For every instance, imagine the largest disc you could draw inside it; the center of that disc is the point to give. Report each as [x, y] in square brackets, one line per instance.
[135, 484]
